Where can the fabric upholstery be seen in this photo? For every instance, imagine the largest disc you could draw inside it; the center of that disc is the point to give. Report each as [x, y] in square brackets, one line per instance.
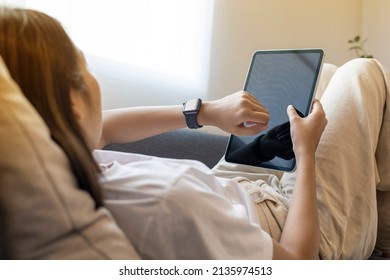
[43, 215]
[180, 144]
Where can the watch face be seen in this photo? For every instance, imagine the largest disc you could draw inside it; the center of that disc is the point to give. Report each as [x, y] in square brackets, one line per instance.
[192, 105]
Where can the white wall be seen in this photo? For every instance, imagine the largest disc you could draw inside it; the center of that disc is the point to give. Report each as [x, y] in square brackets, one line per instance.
[241, 27]
[376, 28]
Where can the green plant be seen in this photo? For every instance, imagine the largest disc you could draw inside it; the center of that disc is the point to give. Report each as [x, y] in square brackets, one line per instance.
[357, 45]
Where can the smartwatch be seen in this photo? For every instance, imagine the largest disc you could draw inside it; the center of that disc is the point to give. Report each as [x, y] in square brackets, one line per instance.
[190, 110]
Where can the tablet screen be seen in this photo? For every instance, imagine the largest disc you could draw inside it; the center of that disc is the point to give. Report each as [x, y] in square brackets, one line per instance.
[277, 78]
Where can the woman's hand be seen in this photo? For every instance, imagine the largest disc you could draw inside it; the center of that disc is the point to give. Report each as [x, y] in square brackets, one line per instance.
[306, 132]
[231, 112]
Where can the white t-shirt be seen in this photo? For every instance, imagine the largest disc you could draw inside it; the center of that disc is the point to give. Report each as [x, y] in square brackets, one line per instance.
[177, 209]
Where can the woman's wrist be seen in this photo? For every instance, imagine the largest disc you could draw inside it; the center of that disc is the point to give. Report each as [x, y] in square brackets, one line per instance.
[205, 116]
[305, 160]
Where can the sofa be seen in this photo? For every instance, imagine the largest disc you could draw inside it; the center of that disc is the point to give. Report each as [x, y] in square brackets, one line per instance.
[180, 144]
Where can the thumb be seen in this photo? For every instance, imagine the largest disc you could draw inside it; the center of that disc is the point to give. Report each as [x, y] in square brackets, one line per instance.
[316, 106]
[291, 112]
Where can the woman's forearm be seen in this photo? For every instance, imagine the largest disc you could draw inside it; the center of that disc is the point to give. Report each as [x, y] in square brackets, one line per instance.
[301, 232]
[132, 124]
[228, 113]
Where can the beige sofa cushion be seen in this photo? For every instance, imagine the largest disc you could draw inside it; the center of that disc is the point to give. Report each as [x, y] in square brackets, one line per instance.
[43, 214]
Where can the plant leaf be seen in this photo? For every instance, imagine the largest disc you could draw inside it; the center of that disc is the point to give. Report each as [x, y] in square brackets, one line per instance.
[357, 38]
[355, 48]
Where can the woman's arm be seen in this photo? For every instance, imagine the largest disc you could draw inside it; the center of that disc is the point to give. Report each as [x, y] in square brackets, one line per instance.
[228, 113]
[136, 123]
[301, 234]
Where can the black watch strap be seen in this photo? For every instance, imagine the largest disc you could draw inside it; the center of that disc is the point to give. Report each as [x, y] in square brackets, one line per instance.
[191, 109]
[191, 120]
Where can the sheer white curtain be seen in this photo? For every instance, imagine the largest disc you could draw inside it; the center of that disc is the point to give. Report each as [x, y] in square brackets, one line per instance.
[142, 51]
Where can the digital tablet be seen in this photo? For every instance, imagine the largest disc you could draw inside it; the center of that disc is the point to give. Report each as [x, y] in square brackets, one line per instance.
[277, 78]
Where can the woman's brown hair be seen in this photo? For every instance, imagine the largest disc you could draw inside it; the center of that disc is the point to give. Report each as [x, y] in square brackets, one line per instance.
[45, 63]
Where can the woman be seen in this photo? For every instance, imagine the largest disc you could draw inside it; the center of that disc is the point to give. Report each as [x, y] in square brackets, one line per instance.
[180, 209]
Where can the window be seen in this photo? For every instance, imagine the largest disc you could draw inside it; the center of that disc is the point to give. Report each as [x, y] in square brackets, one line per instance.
[171, 37]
